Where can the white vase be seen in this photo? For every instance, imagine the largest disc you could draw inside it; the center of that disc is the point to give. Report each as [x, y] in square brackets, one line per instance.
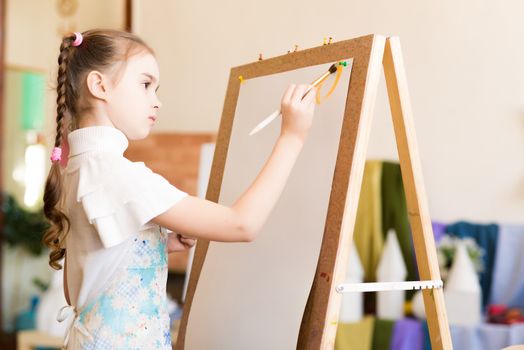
[391, 268]
[462, 292]
[351, 305]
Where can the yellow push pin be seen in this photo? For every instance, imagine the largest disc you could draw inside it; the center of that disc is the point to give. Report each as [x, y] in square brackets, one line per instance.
[325, 41]
[296, 48]
[241, 78]
[330, 39]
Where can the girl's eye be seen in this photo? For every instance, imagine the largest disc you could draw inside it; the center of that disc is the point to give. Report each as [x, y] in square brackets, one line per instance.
[146, 84]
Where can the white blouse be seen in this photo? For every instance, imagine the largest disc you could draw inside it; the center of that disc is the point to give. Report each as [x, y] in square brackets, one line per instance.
[108, 200]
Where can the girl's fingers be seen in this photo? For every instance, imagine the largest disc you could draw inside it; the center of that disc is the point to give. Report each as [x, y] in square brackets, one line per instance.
[288, 93]
[188, 241]
[298, 93]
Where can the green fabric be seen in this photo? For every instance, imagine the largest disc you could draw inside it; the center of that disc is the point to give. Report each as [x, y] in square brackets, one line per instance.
[394, 214]
[382, 333]
[368, 236]
[355, 336]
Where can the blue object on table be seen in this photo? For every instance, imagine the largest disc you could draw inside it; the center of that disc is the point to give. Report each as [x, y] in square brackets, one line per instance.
[508, 272]
[27, 319]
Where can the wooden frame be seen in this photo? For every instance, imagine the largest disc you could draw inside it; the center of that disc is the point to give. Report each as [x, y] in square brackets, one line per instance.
[128, 15]
[369, 54]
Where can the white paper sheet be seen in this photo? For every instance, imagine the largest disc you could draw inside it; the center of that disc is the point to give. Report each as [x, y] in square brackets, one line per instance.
[253, 295]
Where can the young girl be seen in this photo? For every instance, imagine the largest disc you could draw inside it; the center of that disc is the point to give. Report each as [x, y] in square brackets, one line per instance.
[113, 221]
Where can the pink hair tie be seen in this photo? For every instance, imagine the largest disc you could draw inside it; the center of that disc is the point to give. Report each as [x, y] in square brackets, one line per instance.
[57, 154]
[78, 39]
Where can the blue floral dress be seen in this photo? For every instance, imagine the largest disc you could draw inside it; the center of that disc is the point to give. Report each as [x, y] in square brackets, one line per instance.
[132, 312]
[116, 257]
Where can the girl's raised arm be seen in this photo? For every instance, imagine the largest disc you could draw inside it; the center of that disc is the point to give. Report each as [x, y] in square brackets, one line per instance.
[203, 219]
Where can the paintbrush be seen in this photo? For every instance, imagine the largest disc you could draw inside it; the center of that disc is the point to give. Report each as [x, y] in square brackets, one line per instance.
[272, 116]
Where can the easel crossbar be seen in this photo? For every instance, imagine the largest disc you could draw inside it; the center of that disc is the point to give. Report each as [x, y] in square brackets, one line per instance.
[388, 286]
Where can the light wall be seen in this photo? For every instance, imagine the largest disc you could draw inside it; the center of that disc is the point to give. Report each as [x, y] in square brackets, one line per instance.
[34, 28]
[465, 70]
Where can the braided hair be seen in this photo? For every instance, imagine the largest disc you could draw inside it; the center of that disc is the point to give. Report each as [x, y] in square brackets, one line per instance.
[99, 50]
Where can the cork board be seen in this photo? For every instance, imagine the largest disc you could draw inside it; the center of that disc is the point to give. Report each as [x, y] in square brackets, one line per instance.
[238, 294]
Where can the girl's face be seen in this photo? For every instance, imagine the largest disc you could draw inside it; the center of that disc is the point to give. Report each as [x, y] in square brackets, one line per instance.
[132, 105]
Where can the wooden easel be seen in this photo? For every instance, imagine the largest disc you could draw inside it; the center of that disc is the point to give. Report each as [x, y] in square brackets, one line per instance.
[369, 53]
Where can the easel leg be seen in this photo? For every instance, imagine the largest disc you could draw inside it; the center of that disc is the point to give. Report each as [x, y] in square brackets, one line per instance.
[359, 147]
[418, 213]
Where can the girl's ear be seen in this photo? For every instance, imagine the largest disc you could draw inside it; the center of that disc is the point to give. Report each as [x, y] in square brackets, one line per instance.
[97, 84]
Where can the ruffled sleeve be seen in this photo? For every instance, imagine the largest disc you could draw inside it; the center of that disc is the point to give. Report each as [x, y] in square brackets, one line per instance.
[120, 196]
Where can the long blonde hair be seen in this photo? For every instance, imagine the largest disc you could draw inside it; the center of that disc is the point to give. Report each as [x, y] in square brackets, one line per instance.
[100, 50]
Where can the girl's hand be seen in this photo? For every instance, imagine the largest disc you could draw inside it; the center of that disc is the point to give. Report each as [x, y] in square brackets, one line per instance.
[177, 242]
[297, 114]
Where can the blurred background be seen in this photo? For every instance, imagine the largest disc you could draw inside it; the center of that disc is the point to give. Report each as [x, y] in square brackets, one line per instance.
[466, 79]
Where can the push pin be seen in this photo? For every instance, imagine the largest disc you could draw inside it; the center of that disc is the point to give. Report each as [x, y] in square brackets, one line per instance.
[296, 48]
[260, 57]
[330, 39]
[325, 41]
[241, 78]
